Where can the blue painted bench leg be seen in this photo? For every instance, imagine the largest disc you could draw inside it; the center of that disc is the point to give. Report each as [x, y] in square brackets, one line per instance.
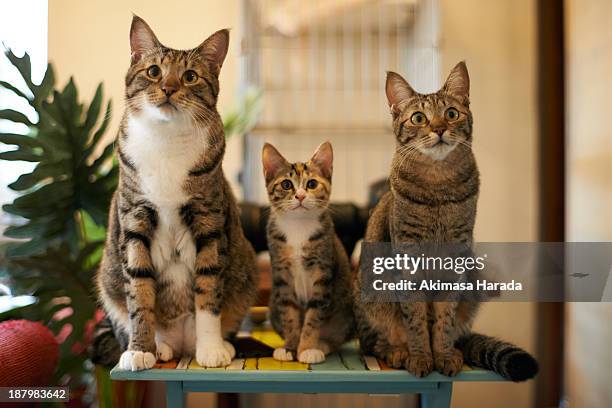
[440, 398]
[175, 397]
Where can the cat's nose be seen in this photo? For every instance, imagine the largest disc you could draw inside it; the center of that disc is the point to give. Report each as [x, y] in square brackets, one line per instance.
[300, 196]
[169, 87]
[439, 131]
[168, 90]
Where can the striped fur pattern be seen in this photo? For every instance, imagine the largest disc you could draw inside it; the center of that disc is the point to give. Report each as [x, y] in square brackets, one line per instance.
[508, 360]
[107, 347]
[310, 306]
[177, 275]
[434, 190]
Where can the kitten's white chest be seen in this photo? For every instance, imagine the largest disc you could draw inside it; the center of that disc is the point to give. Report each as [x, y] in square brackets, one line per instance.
[298, 230]
[163, 153]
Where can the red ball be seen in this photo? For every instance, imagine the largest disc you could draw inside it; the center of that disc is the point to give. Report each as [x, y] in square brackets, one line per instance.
[28, 354]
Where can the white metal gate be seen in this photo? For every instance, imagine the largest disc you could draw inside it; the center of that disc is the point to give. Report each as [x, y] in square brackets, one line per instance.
[321, 66]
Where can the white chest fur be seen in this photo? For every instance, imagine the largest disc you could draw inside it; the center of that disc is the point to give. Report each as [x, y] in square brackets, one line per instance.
[298, 228]
[163, 152]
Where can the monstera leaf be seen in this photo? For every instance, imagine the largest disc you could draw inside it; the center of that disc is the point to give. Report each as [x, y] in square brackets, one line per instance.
[71, 176]
[59, 216]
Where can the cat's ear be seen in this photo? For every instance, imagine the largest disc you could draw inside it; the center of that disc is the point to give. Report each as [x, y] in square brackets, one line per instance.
[458, 82]
[142, 39]
[272, 161]
[214, 50]
[323, 158]
[397, 90]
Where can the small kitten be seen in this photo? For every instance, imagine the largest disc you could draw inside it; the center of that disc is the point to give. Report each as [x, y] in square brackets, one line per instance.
[177, 275]
[311, 304]
[434, 190]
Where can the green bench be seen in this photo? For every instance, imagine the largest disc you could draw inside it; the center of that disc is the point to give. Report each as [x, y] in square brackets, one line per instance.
[344, 372]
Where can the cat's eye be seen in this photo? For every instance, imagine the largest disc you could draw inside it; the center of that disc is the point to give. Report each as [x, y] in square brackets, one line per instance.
[451, 114]
[154, 71]
[286, 184]
[418, 118]
[190, 77]
[312, 184]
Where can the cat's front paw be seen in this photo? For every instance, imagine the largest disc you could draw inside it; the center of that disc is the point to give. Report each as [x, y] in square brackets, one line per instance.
[136, 360]
[311, 356]
[164, 351]
[450, 363]
[282, 354]
[214, 354]
[229, 347]
[395, 357]
[420, 364]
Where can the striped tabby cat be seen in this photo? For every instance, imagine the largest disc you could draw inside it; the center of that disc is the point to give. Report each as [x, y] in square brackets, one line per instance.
[177, 275]
[310, 303]
[434, 189]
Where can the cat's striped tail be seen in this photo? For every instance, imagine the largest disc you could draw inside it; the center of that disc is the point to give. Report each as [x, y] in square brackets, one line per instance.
[506, 359]
[105, 349]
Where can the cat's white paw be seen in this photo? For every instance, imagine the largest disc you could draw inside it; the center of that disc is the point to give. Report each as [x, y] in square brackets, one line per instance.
[282, 354]
[213, 355]
[311, 356]
[136, 360]
[229, 347]
[164, 351]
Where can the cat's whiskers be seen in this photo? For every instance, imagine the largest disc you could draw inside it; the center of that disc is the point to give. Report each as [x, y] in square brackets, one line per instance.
[407, 152]
[200, 122]
[136, 102]
[455, 139]
[198, 111]
[322, 204]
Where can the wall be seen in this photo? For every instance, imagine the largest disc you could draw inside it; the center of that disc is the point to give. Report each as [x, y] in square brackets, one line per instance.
[589, 194]
[90, 40]
[497, 40]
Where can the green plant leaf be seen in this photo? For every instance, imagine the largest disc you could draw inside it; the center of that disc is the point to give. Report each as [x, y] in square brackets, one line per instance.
[47, 195]
[243, 118]
[23, 65]
[93, 112]
[25, 231]
[18, 312]
[71, 109]
[100, 132]
[103, 158]
[20, 155]
[34, 246]
[53, 110]
[15, 116]
[43, 90]
[20, 140]
[42, 172]
[15, 90]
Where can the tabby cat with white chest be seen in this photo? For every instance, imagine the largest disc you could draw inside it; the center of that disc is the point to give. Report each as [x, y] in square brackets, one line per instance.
[311, 305]
[177, 275]
[434, 190]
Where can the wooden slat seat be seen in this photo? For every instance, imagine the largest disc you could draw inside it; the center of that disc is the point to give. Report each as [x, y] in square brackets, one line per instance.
[346, 371]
